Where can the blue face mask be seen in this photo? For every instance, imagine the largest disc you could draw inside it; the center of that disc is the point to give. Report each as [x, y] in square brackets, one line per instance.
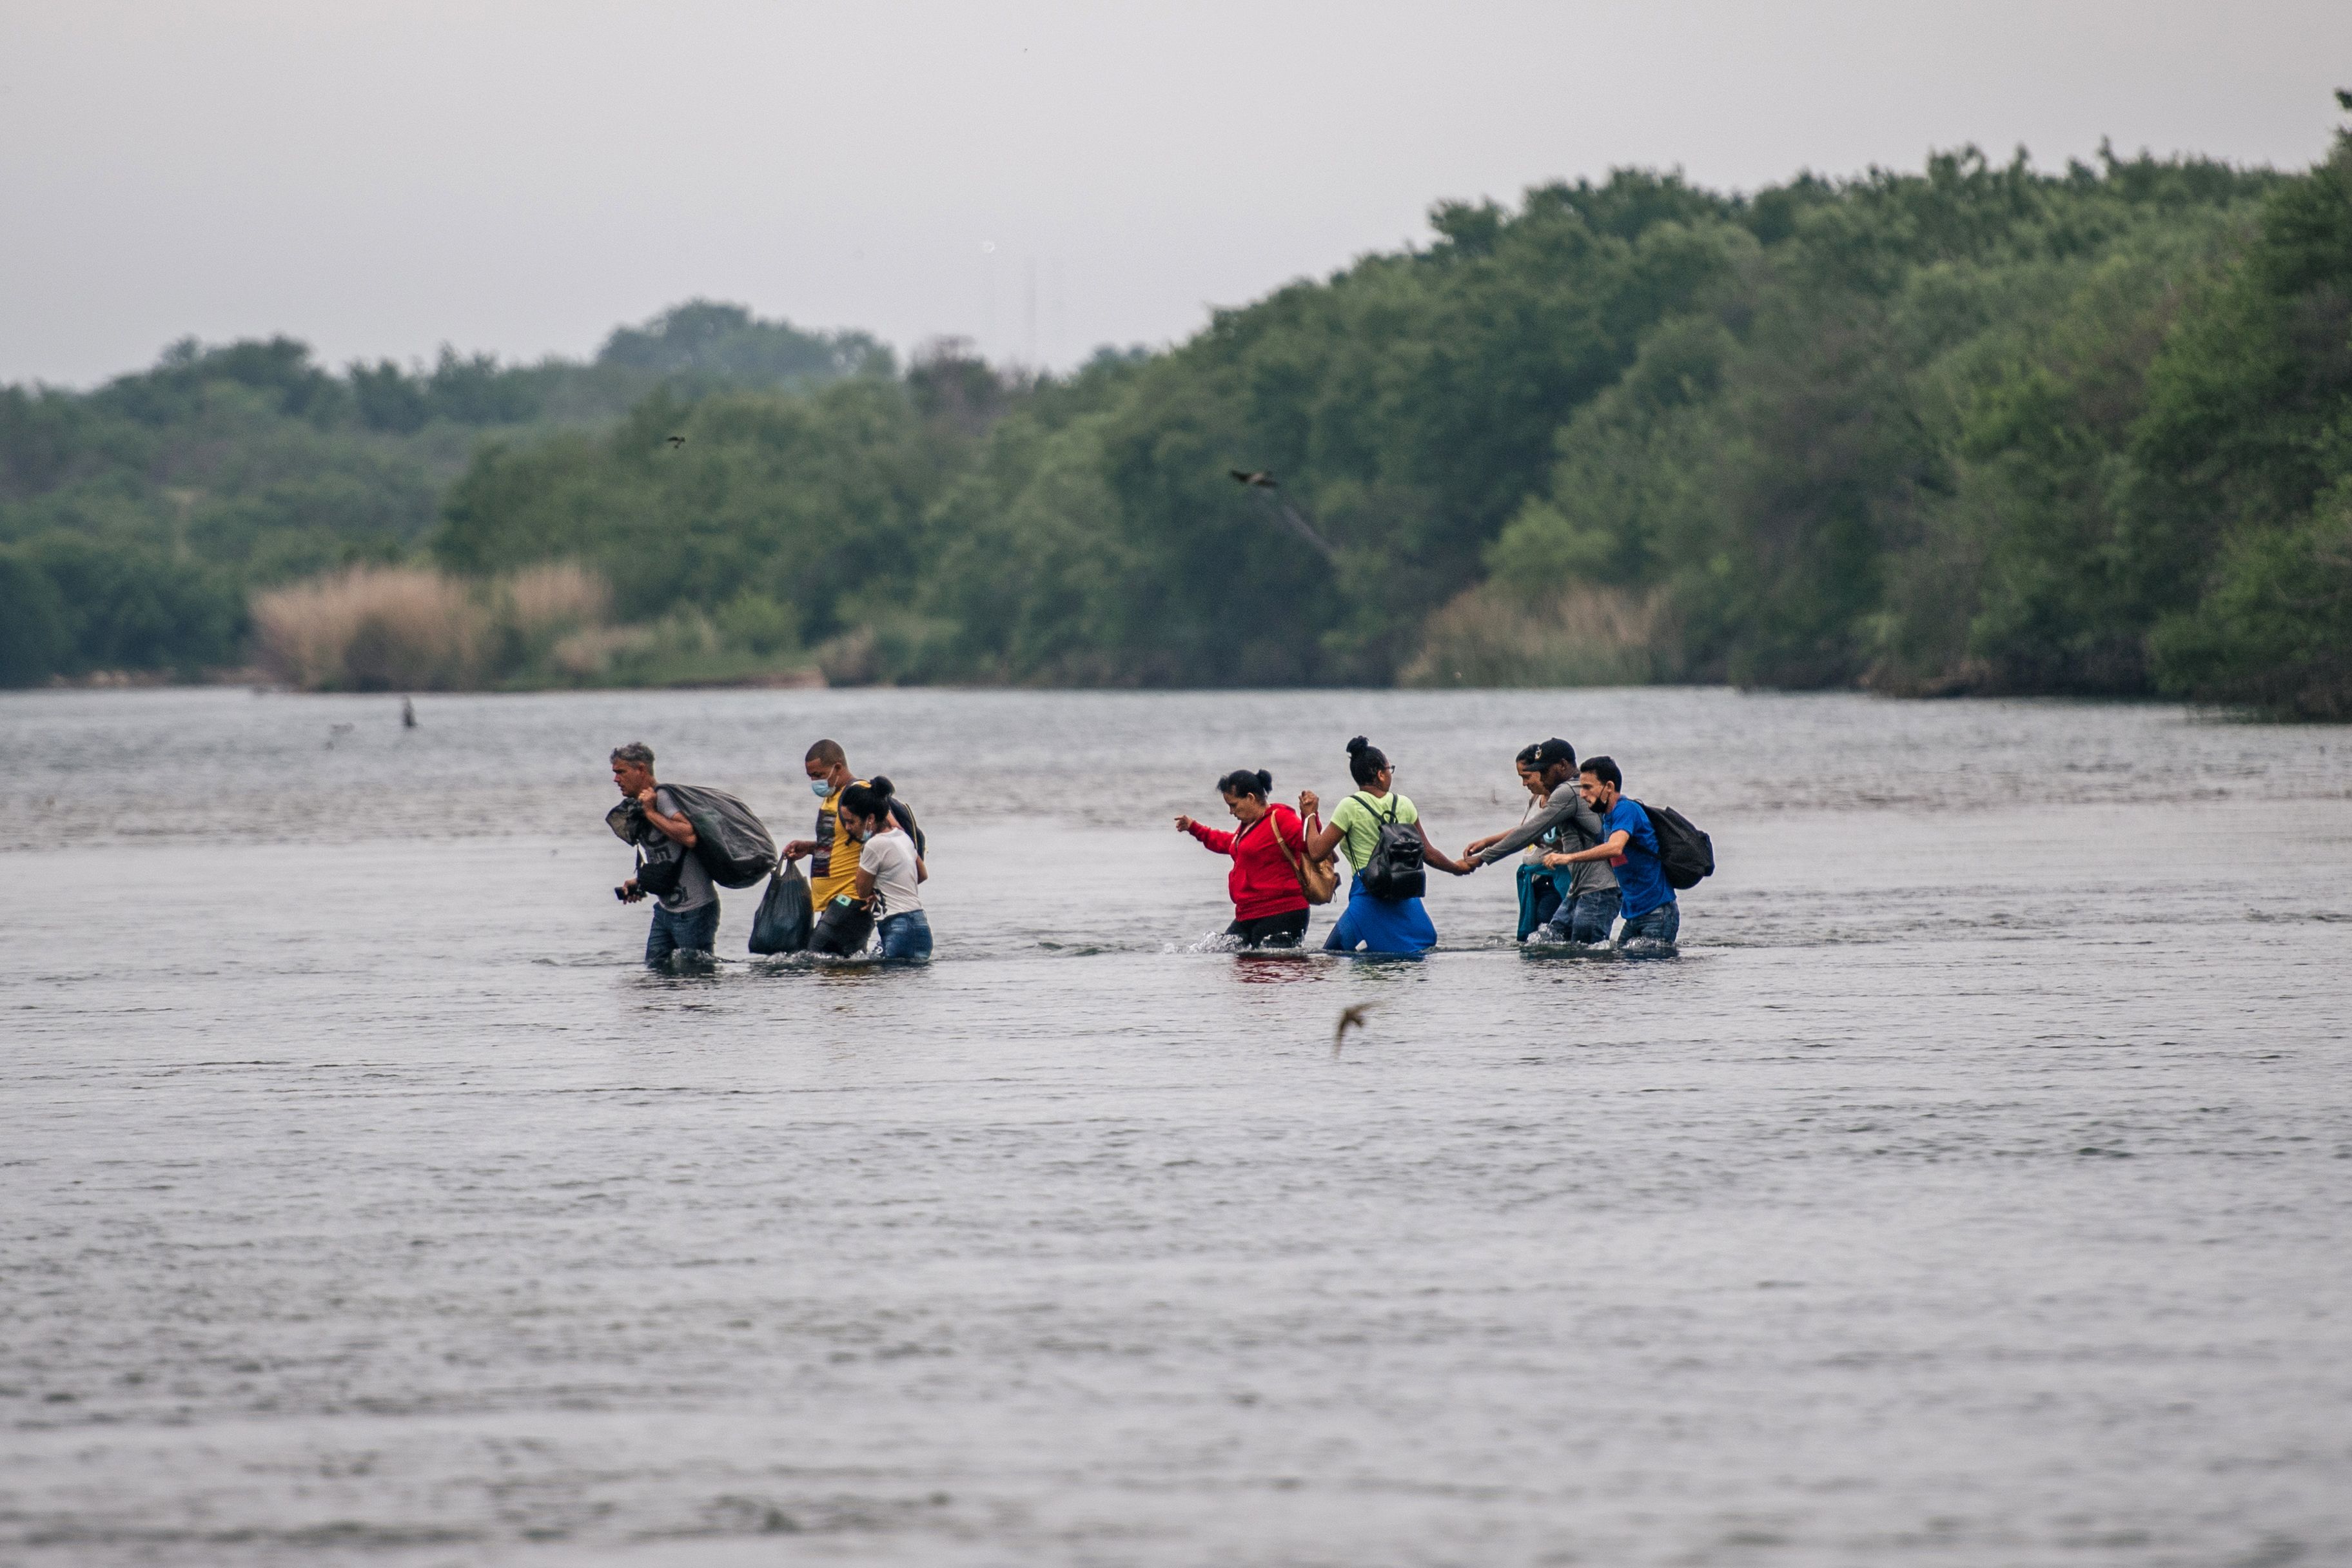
[821, 788]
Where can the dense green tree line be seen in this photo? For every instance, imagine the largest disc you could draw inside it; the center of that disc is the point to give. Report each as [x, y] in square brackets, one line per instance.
[136, 520]
[1975, 428]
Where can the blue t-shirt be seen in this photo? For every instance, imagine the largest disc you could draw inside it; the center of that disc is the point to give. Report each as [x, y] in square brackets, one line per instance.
[1643, 876]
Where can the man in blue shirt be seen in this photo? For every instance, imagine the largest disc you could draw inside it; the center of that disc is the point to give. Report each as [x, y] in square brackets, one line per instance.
[1631, 848]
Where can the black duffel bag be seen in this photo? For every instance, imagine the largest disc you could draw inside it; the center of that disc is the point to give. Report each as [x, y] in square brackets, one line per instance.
[785, 919]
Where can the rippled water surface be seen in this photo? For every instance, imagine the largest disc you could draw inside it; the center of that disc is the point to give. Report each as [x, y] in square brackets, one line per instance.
[1973, 1188]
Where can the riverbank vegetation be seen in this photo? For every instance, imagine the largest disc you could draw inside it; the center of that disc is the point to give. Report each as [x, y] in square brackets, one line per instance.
[1981, 427]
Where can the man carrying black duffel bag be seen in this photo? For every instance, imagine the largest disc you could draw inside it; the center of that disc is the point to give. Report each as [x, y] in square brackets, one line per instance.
[686, 902]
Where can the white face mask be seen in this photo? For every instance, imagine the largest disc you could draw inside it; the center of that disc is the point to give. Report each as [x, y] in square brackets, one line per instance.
[821, 788]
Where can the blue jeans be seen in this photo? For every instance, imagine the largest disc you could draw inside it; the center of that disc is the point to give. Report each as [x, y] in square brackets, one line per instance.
[695, 931]
[1661, 925]
[1586, 917]
[905, 939]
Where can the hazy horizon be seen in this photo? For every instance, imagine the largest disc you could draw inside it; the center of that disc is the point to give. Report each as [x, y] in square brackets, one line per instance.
[1040, 179]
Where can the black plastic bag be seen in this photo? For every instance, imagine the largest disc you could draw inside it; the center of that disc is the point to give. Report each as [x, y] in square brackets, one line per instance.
[783, 921]
[732, 844]
[842, 929]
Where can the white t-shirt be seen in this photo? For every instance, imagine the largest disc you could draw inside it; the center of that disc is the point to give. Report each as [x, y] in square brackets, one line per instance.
[891, 857]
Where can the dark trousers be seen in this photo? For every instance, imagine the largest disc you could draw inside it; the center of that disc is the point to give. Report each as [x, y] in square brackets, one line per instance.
[1660, 926]
[695, 931]
[1586, 917]
[1284, 930]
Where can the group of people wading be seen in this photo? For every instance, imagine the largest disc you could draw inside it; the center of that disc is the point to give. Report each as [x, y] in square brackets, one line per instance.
[865, 862]
[1589, 856]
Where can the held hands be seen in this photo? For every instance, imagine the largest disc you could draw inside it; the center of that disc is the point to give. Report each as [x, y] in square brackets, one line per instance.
[1308, 805]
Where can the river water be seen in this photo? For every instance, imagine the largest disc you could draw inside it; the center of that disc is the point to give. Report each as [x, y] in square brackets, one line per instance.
[1974, 1187]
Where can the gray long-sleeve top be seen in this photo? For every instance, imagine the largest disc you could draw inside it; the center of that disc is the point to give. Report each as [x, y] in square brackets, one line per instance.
[1564, 823]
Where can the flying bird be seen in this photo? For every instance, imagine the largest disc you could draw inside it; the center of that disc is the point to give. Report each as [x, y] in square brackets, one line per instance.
[1352, 1018]
[676, 442]
[1257, 477]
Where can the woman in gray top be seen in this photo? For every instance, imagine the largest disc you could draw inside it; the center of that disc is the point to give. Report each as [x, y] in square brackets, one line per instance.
[1578, 904]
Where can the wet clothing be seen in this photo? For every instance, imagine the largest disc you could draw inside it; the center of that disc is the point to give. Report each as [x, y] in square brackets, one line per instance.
[695, 887]
[1661, 925]
[1641, 874]
[1361, 817]
[695, 931]
[1542, 893]
[906, 938]
[1586, 917]
[891, 857]
[1271, 931]
[1381, 925]
[1567, 824]
[1261, 882]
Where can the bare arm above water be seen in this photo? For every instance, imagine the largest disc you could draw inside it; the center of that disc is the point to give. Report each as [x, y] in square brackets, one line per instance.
[677, 828]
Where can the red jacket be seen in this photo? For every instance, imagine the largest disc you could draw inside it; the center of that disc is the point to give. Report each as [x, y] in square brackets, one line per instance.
[1261, 882]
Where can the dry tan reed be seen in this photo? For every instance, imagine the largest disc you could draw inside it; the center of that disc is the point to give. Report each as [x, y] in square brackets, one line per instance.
[374, 628]
[1580, 636]
[554, 598]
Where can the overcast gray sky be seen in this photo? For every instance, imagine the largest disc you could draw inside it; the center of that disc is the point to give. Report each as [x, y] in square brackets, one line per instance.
[1042, 177]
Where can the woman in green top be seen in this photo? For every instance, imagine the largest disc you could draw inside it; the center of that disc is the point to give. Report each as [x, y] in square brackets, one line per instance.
[1373, 924]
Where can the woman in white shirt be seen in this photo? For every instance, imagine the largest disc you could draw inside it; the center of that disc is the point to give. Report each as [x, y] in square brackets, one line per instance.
[890, 874]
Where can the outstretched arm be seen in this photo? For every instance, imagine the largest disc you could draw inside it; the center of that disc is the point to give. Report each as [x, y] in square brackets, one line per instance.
[1615, 847]
[1486, 851]
[1439, 858]
[1223, 843]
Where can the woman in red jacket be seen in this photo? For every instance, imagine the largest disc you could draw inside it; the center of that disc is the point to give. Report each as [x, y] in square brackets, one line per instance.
[1269, 909]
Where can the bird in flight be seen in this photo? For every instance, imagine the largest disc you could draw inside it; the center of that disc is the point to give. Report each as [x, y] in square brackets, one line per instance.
[676, 442]
[1352, 1018]
[1257, 477]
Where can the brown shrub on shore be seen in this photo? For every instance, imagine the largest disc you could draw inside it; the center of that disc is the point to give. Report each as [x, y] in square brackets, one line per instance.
[1584, 636]
[555, 598]
[374, 628]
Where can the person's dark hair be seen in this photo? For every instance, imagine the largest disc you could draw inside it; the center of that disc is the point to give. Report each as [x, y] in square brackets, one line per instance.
[829, 752]
[1244, 780]
[1604, 769]
[1526, 760]
[1553, 752]
[1365, 761]
[635, 752]
[869, 799]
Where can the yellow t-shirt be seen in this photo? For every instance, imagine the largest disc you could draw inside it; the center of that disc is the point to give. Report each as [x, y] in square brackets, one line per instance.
[833, 869]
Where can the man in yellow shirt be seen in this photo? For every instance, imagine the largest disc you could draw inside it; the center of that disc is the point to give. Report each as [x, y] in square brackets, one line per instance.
[833, 865]
[833, 853]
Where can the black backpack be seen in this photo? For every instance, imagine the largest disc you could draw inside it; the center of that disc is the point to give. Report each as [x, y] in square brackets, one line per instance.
[1685, 853]
[1394, 870]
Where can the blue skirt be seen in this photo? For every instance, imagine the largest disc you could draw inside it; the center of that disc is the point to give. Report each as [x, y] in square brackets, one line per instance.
[1381, 925]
